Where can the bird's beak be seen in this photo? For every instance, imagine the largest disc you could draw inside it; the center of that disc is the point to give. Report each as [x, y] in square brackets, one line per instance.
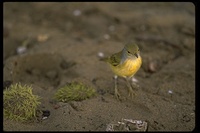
[136, 55]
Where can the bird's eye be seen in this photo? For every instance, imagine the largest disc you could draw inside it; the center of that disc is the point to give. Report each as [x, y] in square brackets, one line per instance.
[129, 52]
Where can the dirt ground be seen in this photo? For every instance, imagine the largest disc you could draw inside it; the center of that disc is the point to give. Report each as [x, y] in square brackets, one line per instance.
[47, 45]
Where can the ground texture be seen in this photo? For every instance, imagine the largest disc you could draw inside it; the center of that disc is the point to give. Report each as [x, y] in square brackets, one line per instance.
[47, 45]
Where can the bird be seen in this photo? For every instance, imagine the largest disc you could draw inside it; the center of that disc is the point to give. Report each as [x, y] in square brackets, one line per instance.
[125, 64]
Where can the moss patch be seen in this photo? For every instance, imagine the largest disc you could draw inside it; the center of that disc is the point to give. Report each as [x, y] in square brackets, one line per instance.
[75, 91]
[19, 103]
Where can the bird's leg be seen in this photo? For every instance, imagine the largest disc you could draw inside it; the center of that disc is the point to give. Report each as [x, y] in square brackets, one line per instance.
[131, 92]
[116, 90]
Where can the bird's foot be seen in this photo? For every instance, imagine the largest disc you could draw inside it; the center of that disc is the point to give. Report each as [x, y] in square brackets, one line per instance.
[131, 93]
[117, 95]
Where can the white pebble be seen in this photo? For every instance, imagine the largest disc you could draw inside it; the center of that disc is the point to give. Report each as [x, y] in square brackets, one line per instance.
[138, 121]
[106, 36]
[45, 117]
[115, 77]
[21, 49]
[170, 91]
[77, 12]
[100, 54]
[134, 80]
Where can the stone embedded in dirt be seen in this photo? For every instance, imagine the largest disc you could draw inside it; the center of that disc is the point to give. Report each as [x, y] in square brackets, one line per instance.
[128, 125]
[56, 106]
[77, 12]
[45, 114]
[152, 67]
[42, 37]
[100, 54]
[21, 49]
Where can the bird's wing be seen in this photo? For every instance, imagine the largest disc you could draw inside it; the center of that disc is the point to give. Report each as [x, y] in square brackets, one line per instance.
[115, 59]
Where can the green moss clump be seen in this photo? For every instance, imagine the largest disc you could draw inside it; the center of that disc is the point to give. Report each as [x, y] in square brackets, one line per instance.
[19, 103]
[75, 91]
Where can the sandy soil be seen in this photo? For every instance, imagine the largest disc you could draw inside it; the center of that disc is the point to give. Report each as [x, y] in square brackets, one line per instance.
[63, 41]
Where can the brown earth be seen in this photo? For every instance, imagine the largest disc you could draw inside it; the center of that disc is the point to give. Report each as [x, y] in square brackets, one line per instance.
[63, 41]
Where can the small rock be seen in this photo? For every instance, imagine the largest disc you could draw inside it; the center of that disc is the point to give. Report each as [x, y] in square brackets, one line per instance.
[45, 113]
[56, 106]
[42, 37]
[77, 12]
[100, 54]
[106, 36]
[21, 49]
[170, 91]
[128, 125]
[134, 80]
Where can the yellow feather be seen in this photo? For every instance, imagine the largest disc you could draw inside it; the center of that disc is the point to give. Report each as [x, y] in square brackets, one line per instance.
[128, 68]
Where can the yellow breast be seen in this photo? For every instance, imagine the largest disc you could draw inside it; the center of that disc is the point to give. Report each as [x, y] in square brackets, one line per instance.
[128, 68]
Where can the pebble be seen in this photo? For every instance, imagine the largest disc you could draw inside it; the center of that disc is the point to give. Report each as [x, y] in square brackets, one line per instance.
[21, 49]
[77, 12]
[100, 54]
[45, 114]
